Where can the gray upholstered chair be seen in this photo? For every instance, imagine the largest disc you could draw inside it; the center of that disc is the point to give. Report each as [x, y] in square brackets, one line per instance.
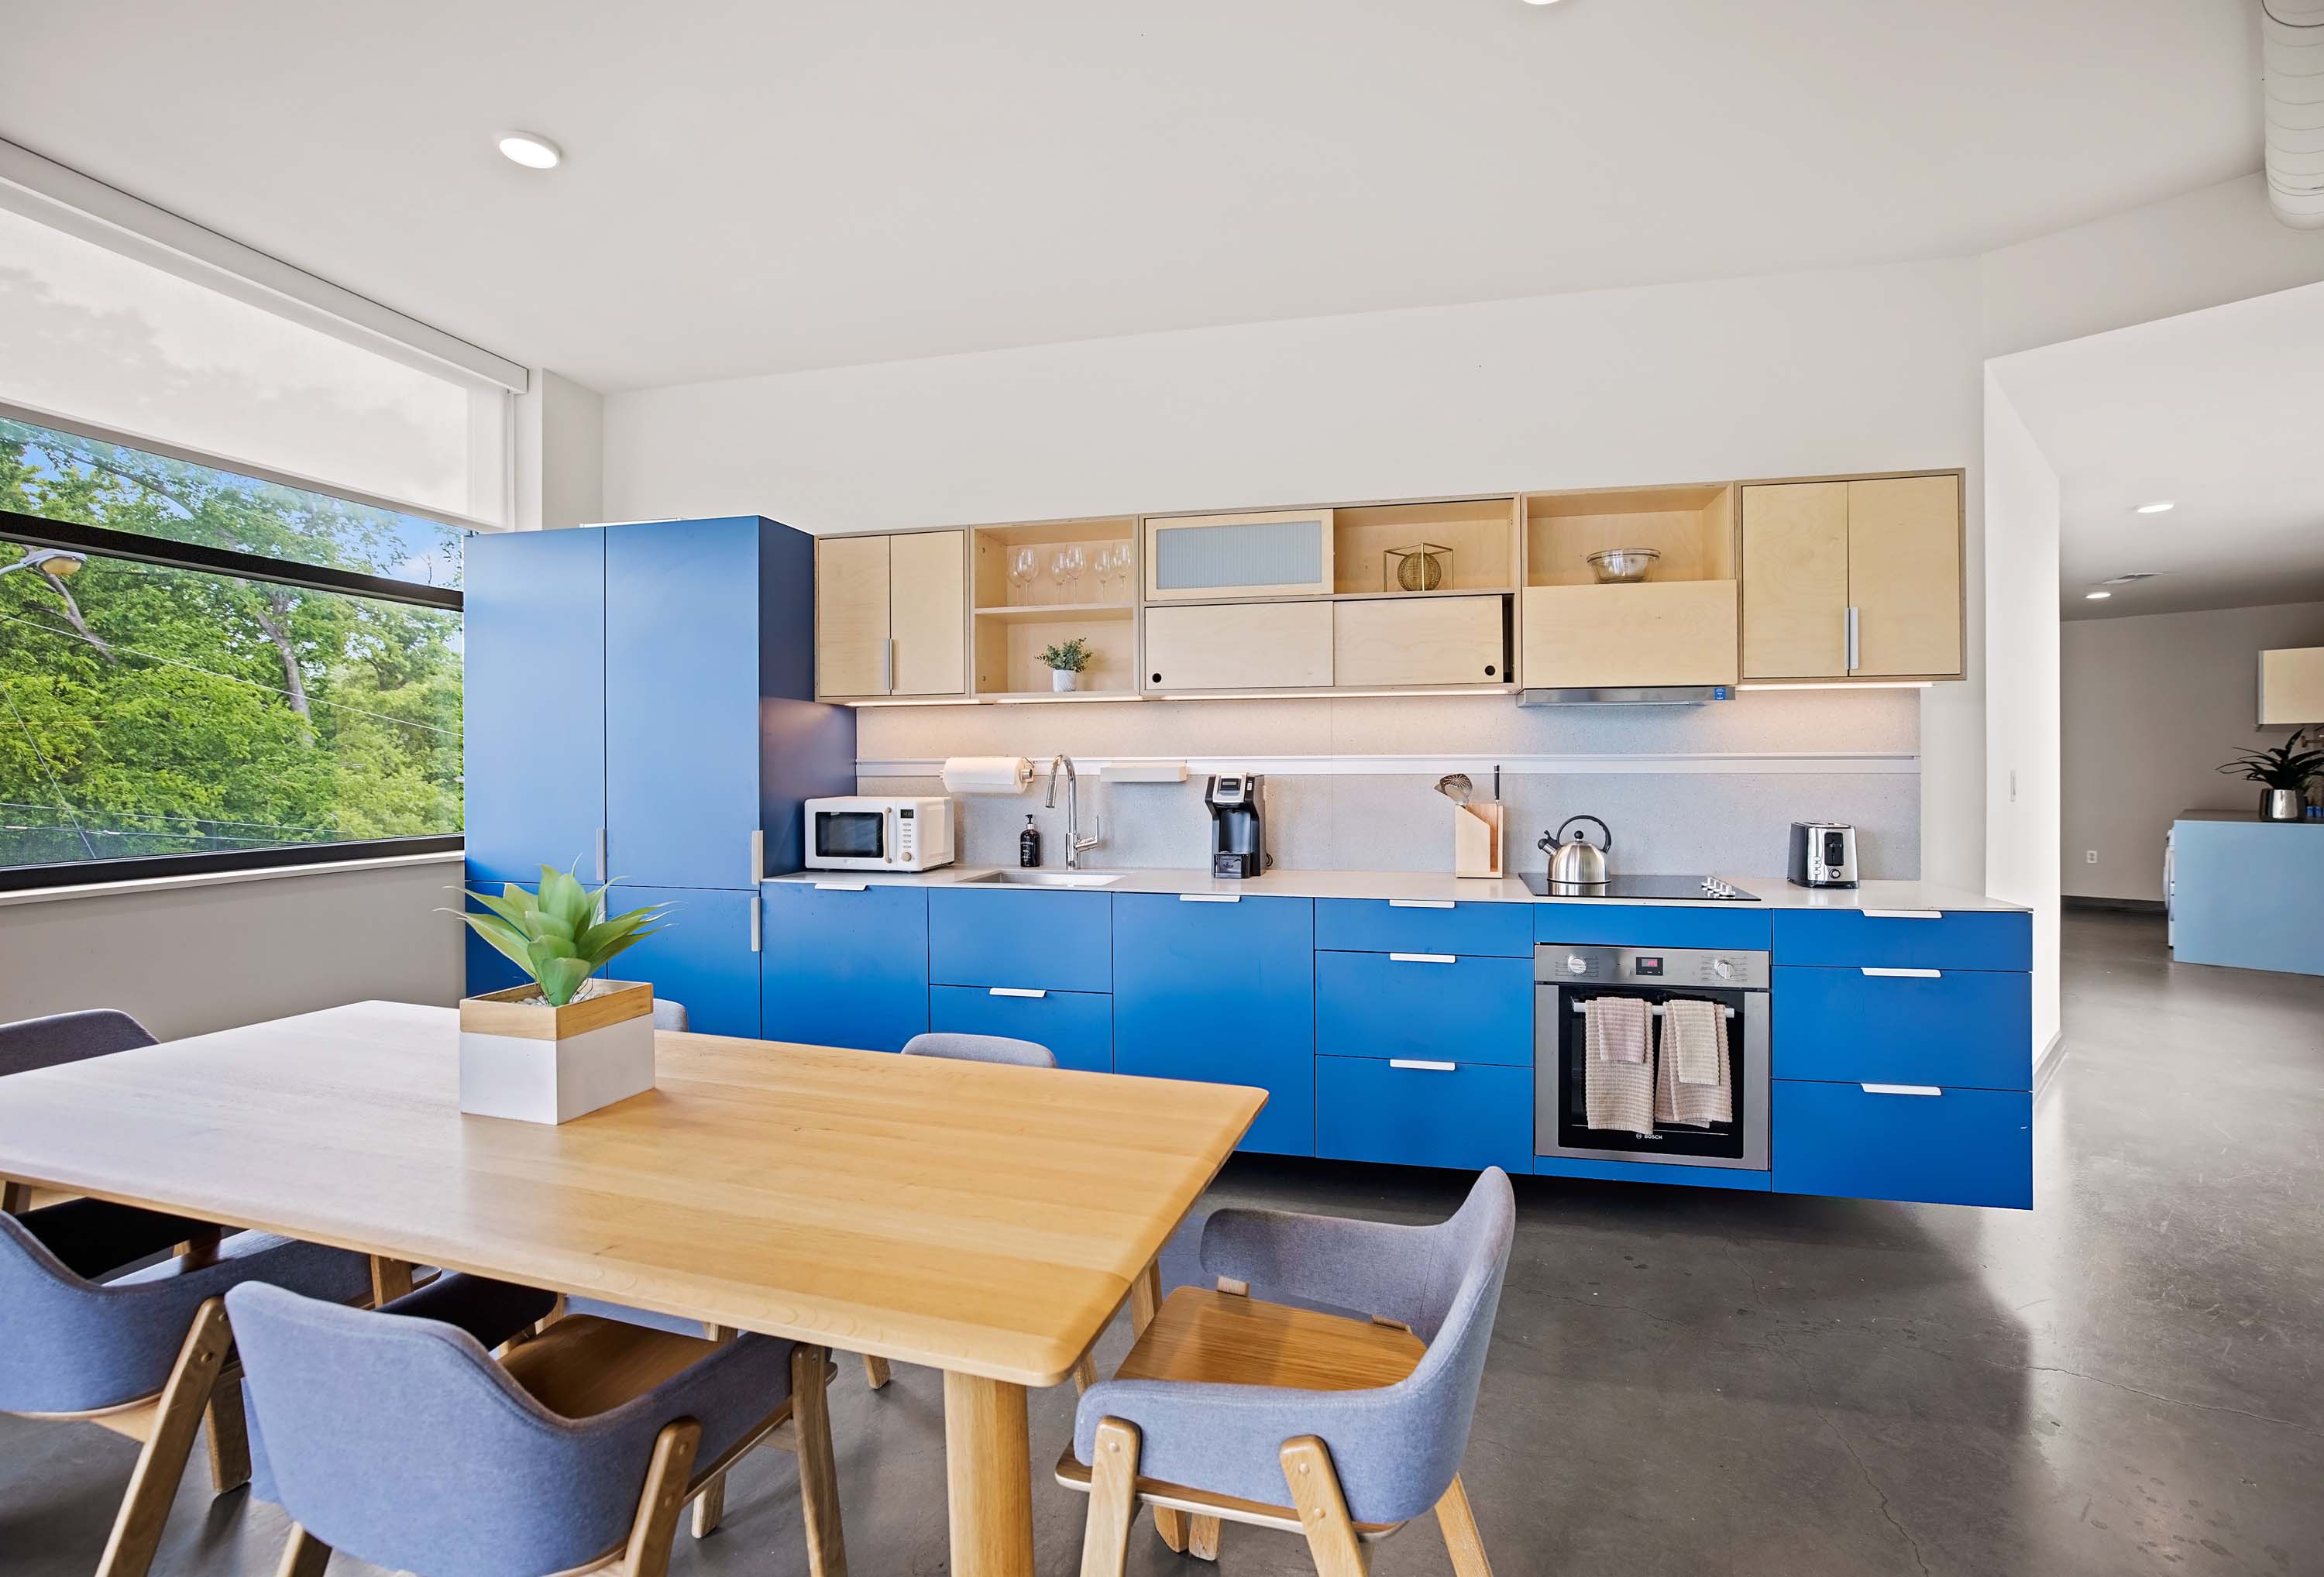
[141, 1353]
[1236, 1409]
[402, 1442]
[668, 1015]
[1000, 1048]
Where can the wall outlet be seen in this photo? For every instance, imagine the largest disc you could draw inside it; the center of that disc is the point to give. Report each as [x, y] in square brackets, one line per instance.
[2089, 856]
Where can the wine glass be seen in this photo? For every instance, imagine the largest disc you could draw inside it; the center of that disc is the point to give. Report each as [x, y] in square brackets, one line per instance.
[1066, 565]
[1023, 566]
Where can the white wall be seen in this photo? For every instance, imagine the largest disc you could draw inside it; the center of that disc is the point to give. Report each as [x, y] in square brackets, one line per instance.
[2021, 699]
[2153, 706]
[1866, 369]
[187, 960]
[560, 460]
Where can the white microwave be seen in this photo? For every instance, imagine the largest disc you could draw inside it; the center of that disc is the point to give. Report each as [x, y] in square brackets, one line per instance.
[879, 832]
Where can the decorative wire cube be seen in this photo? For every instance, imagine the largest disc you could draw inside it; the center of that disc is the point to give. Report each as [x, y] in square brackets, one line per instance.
[1425, 566]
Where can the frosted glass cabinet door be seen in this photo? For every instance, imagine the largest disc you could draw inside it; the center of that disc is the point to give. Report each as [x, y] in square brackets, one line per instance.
[1281, 553]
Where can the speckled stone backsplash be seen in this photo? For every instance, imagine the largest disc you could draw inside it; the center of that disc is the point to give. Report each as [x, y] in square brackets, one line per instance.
[1697, 788]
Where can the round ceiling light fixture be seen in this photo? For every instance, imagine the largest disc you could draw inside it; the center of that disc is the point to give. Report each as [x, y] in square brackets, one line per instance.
[531, 150]
[2095, 596]
[2160, 506]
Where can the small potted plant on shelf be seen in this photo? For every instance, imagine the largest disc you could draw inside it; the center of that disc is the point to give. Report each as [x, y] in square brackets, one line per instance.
[567, 1044]
[1066, 660]
[2283, 772]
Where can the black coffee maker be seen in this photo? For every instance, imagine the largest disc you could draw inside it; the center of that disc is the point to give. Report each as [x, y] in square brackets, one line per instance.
[1237, 803]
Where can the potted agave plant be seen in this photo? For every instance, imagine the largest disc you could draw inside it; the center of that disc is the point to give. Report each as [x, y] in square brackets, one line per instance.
[567, 1044]
[2283, 772]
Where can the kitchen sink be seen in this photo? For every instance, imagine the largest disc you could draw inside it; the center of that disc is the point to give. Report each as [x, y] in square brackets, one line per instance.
[1042, 879]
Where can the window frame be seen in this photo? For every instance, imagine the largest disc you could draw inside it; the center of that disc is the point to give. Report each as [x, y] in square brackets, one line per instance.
[42, 532]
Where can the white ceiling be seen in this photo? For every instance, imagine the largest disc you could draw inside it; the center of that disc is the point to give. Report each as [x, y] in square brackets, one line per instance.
[779, 184]
[2221, 411]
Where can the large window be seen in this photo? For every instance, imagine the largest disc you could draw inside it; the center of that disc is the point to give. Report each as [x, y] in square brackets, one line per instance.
[199, 668]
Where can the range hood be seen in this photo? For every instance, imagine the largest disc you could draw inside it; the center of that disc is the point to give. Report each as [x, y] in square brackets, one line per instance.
[1627, 695]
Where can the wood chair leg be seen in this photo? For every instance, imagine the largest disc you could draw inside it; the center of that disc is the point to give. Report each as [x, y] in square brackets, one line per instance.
[1202, 1537]
[826, 1545]
[1145, 1302]
[390, 1279]
[229, 1435]
[304, 1556]
[1322, 1508]
[875, 1370]
[161, 1462]
[710, 1506]
[1113, 1499]
[647, 1553]
[1085, 1373]
[1459, 1525]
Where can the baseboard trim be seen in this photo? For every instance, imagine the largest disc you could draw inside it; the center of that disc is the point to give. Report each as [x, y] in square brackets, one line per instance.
[2120, 906]
[2045, 1065]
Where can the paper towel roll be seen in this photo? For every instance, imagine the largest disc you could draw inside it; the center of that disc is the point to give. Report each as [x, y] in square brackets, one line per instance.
[986, 774]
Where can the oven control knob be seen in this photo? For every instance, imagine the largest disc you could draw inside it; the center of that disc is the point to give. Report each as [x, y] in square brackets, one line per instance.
[1722, 969]
[1576, 964]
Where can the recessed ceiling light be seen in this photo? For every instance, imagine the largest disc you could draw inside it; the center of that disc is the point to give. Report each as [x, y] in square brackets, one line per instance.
[538, 153]
[2159, 507]
[2095, 596]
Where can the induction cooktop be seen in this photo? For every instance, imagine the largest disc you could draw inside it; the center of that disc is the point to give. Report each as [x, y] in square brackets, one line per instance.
[1661, 889]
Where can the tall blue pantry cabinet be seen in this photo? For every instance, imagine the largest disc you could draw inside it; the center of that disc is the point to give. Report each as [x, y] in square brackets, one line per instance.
[639, 704]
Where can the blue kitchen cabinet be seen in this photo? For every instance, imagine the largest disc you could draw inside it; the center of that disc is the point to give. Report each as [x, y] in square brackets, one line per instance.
[1077, 1027]
[488, 968]
[534, 703]
[1971, 1028]
[1740, 929]
[845, 963]
[1926, 1143]
[710, 735]
[1033, 937]
[1433, 1006]
[1404, 924]
[645, 689]
[701, 958]
[1992, 939]
[1424, 1113]
[1225, 993]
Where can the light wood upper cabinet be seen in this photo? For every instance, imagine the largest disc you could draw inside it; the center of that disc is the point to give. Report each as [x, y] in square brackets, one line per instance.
[891, 615]
[1420, 641]
[1239, 646]
[1853, 579]
[1795, 581]
[1904, 575]
[1275, 553]
[1669, 632]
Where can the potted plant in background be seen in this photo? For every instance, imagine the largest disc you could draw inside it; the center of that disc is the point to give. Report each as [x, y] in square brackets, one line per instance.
[2283, 772]
[1065, 662]
[567, 1044]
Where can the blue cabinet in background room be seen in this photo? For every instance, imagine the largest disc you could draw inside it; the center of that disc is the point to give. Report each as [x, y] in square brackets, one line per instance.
[1077, 1027]
[1032, 937]
[1221, 990]
[642, 694]
[845, 963]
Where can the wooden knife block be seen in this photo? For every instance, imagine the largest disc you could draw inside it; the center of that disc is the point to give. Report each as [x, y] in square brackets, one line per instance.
[1476, 842]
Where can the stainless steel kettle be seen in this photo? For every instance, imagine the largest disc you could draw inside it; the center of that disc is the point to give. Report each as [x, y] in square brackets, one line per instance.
[1577, 863]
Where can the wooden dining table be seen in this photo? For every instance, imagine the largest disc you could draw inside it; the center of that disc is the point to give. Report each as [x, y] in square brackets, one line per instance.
[985, 1220]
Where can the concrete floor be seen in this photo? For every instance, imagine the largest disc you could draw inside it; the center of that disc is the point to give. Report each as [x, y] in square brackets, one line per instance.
[2123, 1380]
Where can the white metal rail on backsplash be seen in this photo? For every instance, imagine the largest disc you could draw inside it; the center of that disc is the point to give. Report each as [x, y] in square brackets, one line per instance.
[1837, 763]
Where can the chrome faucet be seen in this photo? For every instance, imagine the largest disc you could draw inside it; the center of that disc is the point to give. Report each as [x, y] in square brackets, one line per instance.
[1074, 842]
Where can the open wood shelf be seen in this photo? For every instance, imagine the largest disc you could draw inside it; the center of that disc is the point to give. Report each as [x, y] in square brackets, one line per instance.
[1481, 534]
[1019, 613]
[1692, 527]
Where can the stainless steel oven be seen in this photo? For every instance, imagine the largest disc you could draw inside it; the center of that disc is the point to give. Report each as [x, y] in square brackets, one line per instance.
[1566, 976]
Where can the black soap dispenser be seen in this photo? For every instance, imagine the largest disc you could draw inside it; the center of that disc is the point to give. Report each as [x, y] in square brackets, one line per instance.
[1028, 846]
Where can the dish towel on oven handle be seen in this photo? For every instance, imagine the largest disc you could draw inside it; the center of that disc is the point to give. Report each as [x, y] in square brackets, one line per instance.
[1618, 1078]
[1693, 1029]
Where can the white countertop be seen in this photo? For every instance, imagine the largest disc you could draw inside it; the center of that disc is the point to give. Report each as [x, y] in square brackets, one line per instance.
[1773, 892]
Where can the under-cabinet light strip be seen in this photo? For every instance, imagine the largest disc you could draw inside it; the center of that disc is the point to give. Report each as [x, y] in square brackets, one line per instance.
[1900, 763]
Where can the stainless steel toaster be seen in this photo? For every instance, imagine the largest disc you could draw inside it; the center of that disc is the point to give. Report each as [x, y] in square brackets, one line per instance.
[1823, 855]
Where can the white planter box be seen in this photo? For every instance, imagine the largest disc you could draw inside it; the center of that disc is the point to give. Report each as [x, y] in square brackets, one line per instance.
[538, 1064]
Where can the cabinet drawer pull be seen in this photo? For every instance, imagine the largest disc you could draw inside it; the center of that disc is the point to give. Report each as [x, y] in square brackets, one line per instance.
[758, 926]
[1904, 974]
[757, 858]
[1425, 1067]
[1900, 1089]
[1210, 897]
[1901, 914]
[1017, 991]
[601, 853]
[1420, 903]
[843, 887]
[1422, 958]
